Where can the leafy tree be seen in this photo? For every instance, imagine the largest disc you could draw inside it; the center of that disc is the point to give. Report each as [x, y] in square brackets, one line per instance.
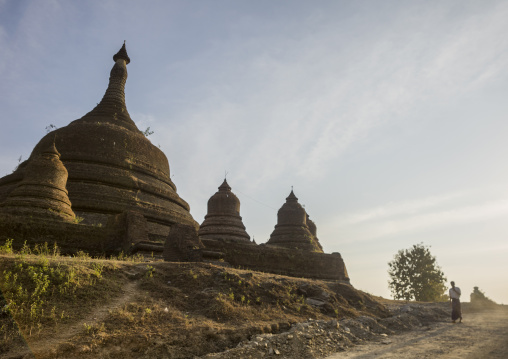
[414, 274]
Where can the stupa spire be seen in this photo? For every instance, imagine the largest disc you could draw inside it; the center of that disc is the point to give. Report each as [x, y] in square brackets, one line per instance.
[122, 54]
[291, 197]
[112, 107]
[225, 186]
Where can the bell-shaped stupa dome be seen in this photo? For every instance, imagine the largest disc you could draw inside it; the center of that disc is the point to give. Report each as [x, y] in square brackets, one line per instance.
[291, 230]
[113, 167]
[42, 191]
[223, 219]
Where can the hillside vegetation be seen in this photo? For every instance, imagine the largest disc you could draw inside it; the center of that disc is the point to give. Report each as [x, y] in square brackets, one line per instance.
[129, 307]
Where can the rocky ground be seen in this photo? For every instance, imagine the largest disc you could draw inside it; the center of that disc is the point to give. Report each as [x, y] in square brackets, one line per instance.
[481, 335]
[421, 330]
[320, 338]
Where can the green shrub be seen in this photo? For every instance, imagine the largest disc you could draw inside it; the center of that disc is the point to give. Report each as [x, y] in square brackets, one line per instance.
[39, 289]
[7, 247]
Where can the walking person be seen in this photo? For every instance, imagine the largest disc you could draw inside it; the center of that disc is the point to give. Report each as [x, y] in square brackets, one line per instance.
[454, 293]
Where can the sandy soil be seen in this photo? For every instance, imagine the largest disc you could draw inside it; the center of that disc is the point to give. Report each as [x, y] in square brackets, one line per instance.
[481, 335]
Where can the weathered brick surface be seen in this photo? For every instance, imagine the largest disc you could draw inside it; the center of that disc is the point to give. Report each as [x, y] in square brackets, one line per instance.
[223, 218]
[69, 237]
[128, 229]
[292, 230]
[42, 191]
[120, 234]
[182, 244]
[291, 262]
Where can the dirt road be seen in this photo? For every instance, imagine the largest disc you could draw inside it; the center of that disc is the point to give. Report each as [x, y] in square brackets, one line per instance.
[481, 335]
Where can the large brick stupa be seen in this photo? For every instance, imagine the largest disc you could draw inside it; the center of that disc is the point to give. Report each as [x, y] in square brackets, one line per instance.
[112, 167]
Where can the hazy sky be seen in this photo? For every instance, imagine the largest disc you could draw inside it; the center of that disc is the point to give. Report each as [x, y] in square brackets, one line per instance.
[387, 117]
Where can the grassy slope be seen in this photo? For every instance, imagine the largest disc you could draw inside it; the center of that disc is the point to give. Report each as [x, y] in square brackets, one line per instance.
[180, 310]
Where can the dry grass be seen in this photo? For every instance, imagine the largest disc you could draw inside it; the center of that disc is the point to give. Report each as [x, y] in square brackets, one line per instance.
[177, 310]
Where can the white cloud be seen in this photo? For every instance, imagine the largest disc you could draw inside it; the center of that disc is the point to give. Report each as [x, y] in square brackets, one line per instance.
[403, 219]
[297, 105]
[392, 209]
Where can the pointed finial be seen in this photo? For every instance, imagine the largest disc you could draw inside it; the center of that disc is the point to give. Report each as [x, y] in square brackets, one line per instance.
[224, 186]
[122, 54]
[292, 196]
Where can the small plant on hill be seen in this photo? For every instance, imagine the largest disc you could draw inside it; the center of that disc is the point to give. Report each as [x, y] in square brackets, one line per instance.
[19, 162]
[50, 128]
[150, 271]
[147, 132]
[6, 248]
[127, 258]
[82, 255]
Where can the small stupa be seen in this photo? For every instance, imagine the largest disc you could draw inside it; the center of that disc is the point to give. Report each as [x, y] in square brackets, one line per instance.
[112, 166]
[291, 230]
[223, 220]
[42, 193]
